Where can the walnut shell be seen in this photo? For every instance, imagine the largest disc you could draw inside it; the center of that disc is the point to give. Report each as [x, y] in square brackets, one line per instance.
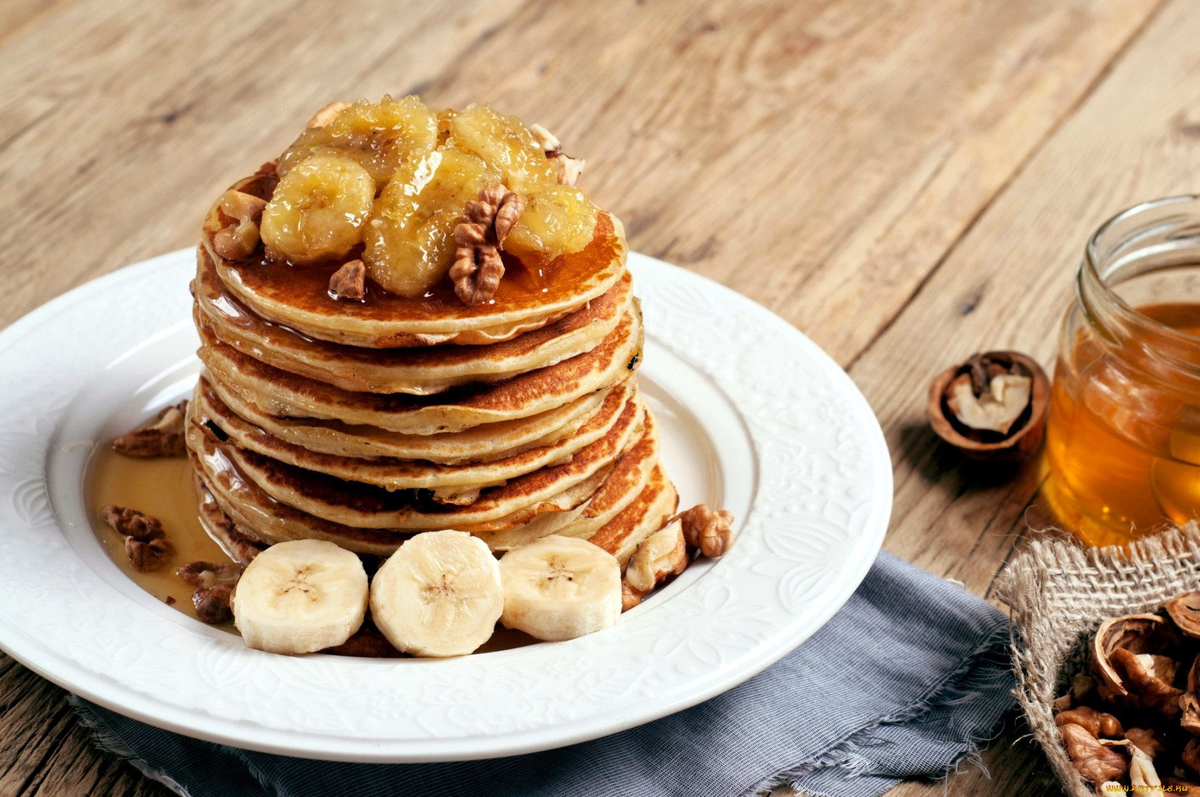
[1136, 633]
[1024, 436]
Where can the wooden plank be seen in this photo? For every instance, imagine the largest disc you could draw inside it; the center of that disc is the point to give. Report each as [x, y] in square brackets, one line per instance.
[118, 124]
[1006, 284]
[819, 157]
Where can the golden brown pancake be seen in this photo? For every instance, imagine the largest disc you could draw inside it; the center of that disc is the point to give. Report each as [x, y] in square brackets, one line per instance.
[629, 476]
[530, 296]
[285, 394]
[366, 506]
[450, 483]
[483, 443]
[647, 514]
[420, 371]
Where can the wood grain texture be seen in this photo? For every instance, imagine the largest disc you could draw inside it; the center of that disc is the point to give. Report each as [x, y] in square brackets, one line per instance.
[883, 175]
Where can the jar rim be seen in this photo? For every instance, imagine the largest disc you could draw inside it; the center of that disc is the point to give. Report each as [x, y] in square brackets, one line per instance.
[1092, 258]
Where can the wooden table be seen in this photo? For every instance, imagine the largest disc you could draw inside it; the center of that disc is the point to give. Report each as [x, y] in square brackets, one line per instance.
[907, 182]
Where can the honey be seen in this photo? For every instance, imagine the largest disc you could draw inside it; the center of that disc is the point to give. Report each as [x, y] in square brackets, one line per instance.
[1123, 440]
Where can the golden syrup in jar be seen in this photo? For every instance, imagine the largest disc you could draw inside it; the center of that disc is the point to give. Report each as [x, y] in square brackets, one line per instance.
[1122, 456]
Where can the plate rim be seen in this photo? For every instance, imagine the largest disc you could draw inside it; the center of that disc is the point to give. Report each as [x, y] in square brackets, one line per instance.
[38, 657]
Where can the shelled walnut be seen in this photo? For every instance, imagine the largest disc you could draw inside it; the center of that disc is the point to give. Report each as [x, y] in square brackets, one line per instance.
[162, 437]
[145, 541]
[214, 583]
[1139, 727]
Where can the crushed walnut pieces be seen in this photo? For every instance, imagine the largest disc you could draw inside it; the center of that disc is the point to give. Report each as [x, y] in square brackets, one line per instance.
[480, 233]
[145, 542]
[163, 437]
[569, 169]
[349, 281]
[239, 237]
[214, 583]
[708, 530]
[1133, 724]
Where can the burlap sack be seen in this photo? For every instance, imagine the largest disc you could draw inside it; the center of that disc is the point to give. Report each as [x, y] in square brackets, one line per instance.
[1059, 592]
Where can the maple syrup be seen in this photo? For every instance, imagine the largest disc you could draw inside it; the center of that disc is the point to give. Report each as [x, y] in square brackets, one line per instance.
[164, 489]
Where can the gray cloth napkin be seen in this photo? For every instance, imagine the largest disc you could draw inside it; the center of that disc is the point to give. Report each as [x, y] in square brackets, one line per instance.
[902, 683]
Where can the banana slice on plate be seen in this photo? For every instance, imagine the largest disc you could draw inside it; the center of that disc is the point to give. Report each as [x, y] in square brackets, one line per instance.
[438, 595]
[560, 588]
[300, 597]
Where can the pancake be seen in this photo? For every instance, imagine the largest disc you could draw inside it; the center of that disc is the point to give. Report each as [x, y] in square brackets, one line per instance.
[483, 443]
[450, 483]
[630, 475]
[366, 506]
[281, 393]
[648, 513]
[266, 521]
[297, 296]
[239, 546]
[419, 371]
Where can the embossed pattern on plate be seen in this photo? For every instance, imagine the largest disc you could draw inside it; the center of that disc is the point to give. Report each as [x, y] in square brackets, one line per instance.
[754, 417]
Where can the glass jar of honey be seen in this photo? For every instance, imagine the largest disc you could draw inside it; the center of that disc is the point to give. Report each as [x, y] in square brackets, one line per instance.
[1122, 455]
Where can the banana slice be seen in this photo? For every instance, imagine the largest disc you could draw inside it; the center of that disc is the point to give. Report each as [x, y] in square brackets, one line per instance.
[560, 588]
[438, 595]
[299, 597]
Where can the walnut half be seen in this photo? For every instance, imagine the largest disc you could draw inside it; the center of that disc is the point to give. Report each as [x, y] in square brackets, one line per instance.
[163, 437]
[709, 530]
[214, 583]
[145, 542]
[480, 233]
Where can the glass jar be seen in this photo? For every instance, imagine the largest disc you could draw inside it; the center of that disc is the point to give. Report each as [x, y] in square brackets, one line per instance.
[1122, 454]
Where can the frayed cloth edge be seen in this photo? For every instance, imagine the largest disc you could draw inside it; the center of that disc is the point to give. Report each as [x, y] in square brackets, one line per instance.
[845, 755]
[109, 742]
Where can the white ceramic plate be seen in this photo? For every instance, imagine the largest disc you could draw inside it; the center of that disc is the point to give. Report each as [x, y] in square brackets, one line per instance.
[754, 418]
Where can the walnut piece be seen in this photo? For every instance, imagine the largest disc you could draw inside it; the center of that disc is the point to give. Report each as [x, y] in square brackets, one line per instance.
[214, 583]
[1096, 723]
[1189, 701]
[997, 408]
[323, 117]
[1096, 762]
[133, 524]
[1148, 679]
[213, 605]
[1142, 775]
[163, 437]
[569, 169]
[707, 529]
[145, 542]
[238, 239]
[480, 233]
[349, 281]
[1191, 755]
[1148, 740]
[147, 555]
[661, 555]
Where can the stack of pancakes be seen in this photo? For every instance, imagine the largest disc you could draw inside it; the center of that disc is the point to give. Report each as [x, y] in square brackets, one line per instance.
[365, 422]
